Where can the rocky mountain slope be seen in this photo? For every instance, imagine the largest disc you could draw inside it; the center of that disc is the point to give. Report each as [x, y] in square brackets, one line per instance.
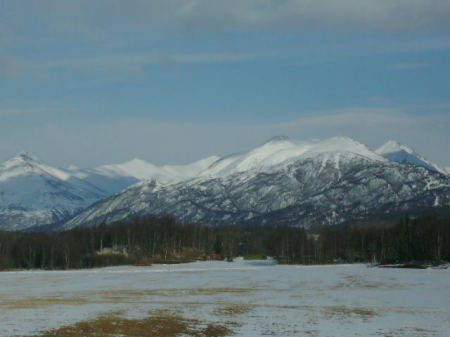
[283, 181]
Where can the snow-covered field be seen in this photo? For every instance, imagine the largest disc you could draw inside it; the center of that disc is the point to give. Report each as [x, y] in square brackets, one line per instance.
[256, 298]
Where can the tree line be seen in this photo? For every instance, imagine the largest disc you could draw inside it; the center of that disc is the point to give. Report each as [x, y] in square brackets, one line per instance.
[162, 239]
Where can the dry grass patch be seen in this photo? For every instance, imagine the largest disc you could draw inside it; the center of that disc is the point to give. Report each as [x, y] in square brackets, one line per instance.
[166, 312]
[125, 294]
[233, 310]
[410, 332]
[41, 302]
[345, 312]
[215, 330]
[157, 326]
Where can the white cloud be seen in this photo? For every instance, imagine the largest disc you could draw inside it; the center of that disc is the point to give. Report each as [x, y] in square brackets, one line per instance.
[89, 17]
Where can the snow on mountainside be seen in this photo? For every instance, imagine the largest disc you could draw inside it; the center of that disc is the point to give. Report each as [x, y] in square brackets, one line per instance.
[34, 193]
[116, 177]
[282, 150]
[283, 181]
[142, 170]
[107, 183]
[397, 152]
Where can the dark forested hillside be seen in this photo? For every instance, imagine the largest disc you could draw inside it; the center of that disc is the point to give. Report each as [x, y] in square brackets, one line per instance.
[162, 239]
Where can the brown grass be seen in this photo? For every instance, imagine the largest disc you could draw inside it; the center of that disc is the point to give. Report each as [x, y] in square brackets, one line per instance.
[215, 330]
[233, 310]
[158, 326]
[172, 292]
[346, 312]
[410, 332]
[41, 302]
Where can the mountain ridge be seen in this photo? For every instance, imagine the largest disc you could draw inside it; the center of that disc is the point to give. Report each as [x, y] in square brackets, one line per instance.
[276, 177]
[33, 193]
[317, 182]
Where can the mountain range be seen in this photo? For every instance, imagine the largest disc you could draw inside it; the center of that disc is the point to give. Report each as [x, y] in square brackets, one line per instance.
[284, 181]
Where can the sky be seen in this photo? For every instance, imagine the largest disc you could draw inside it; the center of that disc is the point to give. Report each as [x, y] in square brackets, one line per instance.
[172, 81]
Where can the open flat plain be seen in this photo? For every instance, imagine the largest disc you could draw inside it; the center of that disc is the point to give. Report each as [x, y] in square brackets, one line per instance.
[240, 298]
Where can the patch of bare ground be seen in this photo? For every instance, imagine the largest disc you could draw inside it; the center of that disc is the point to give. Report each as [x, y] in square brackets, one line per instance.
[172, 292]
[409, 332]
[222, 308]
[166, 311]
[233, 310]
[154, 326]
[345, 312]
[41, 302]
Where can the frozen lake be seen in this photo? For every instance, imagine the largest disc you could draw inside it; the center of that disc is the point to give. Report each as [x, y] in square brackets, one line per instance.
[253, 298]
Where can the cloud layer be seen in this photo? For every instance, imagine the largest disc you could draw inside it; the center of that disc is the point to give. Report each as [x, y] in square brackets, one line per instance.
[172, 81]
[382, 15]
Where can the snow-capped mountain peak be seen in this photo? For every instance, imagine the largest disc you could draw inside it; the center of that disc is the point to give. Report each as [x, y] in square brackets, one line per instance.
[283, 181]
[403, 154]
[393, 146]
[283, 150]
[343, 144]
[25, 163]
[281, 175]
[35, 193]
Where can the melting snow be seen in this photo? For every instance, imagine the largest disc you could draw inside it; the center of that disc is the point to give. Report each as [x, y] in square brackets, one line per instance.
[277, 300]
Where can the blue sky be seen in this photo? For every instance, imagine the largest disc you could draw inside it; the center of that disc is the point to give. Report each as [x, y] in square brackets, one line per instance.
[95, 82]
